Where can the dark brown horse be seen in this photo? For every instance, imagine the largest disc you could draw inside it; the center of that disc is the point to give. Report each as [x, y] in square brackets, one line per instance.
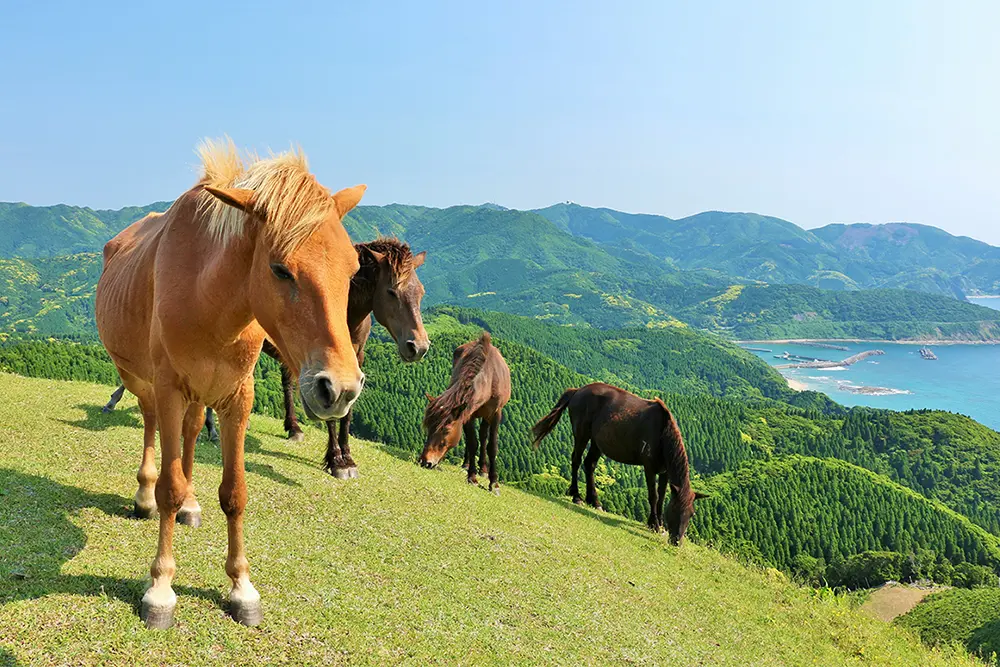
[386, 285]
[479, 388]
[630, 430]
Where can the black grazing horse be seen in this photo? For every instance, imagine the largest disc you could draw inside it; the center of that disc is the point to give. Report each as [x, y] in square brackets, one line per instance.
[386, 285]
[634, 431]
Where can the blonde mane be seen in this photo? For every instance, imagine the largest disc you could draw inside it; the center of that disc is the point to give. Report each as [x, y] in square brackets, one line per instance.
[288, 198]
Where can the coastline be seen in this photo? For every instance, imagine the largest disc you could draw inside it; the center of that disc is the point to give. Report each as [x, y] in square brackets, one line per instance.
[926, 342]
[796, 384]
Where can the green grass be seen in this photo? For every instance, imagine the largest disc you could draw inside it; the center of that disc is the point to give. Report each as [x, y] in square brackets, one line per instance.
[969, 617]
[401, 566]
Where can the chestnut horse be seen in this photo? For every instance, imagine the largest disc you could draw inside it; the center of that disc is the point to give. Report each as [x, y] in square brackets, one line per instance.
[630, 430]
[183, 306]
[479, 388]
[386, 285]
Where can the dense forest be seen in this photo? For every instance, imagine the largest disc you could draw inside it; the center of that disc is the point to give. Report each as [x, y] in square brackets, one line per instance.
[897, 486]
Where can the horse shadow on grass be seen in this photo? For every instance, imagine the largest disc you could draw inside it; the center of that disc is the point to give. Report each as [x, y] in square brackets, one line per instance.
[35, 521]
[605, 517]
[7, 658]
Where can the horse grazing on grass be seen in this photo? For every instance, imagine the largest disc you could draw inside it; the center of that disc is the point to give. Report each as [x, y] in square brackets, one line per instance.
[479, 388]
[630, 430]
[183, 306]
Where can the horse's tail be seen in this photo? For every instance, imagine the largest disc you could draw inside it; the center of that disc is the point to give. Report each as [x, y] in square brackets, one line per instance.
[549, 421]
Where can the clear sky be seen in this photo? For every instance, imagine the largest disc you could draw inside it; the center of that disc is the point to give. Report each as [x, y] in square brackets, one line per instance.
[858, 111]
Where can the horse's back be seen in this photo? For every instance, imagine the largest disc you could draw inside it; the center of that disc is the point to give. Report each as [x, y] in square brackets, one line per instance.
[624, 426]
[124, 296]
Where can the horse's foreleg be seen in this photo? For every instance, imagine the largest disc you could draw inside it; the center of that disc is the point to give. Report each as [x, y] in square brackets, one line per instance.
[343, 439]
[652, 522]
[589, 465]
[190, 512]
[333, 460]
[471, 446]
[494, 437]
[145, 497]
[244, 601]
[158, 602]
[661, 490]
[116, 396]
[484, 438]
[295, 433]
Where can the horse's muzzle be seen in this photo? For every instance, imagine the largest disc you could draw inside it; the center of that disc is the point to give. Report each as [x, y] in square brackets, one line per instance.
[326, 398]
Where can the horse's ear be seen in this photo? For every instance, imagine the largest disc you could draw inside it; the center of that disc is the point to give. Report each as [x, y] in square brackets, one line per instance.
[373, 255]
[428, 395]
[674, 488]
[418, 259]
[240, 198]
[348, 198]
[699, 496]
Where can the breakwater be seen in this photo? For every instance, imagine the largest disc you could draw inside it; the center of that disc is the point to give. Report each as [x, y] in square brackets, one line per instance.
[853, 359]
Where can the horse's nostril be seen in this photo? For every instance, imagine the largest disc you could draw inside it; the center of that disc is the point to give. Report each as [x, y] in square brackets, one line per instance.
[324, 392]
[411, 348]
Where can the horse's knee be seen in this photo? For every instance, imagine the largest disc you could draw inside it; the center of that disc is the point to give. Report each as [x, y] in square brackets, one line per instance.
[171, 489]
[232, 498]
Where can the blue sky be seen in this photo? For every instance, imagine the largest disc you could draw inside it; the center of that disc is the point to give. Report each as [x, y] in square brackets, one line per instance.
[813, 112]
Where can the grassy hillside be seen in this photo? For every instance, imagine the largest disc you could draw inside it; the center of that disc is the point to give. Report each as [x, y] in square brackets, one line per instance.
[968, 617]
[402, 566]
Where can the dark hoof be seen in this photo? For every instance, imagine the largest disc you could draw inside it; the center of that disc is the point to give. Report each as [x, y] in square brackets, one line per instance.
[298, 436]
[578, 501]
[472, 480]
[106, 409]
[484, 471]
[147, 513]
[191, 519]
[247, 613]
[156, 617]
[598, 508]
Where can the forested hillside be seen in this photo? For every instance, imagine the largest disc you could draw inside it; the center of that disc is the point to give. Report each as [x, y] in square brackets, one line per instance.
[517, 262]
[837, 256]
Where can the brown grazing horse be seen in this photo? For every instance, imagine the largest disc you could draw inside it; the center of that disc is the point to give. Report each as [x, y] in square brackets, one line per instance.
[479, 388]
[630, 430]
[183, 306]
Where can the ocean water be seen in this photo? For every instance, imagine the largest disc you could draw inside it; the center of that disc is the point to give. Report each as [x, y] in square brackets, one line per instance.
[964, 378]
[988, 301]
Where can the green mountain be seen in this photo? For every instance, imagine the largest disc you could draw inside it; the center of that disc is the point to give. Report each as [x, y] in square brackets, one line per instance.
[519, 262]
[959, 616]
[772, 250]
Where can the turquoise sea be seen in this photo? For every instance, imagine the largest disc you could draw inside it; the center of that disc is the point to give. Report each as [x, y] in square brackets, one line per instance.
[964, 378]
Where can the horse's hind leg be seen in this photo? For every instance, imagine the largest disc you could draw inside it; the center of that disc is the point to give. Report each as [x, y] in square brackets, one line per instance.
[494, 444]
[194, 419]
[661, 490]
[116, 396]
[145, 496]
[471, 445]
[589, 465]
[484, 437]
[580, 443]
[213, 433]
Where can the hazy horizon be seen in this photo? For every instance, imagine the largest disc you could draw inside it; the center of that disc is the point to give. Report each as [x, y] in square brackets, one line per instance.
[862, 112]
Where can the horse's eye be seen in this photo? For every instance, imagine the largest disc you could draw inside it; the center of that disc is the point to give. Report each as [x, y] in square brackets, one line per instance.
[393, 293]
[281, 272]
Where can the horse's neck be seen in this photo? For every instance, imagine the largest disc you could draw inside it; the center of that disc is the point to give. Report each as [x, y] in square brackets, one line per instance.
[361, 299]
[222, 282]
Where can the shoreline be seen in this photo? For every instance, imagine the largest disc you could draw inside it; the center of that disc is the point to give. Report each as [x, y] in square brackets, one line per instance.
[924, 342]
